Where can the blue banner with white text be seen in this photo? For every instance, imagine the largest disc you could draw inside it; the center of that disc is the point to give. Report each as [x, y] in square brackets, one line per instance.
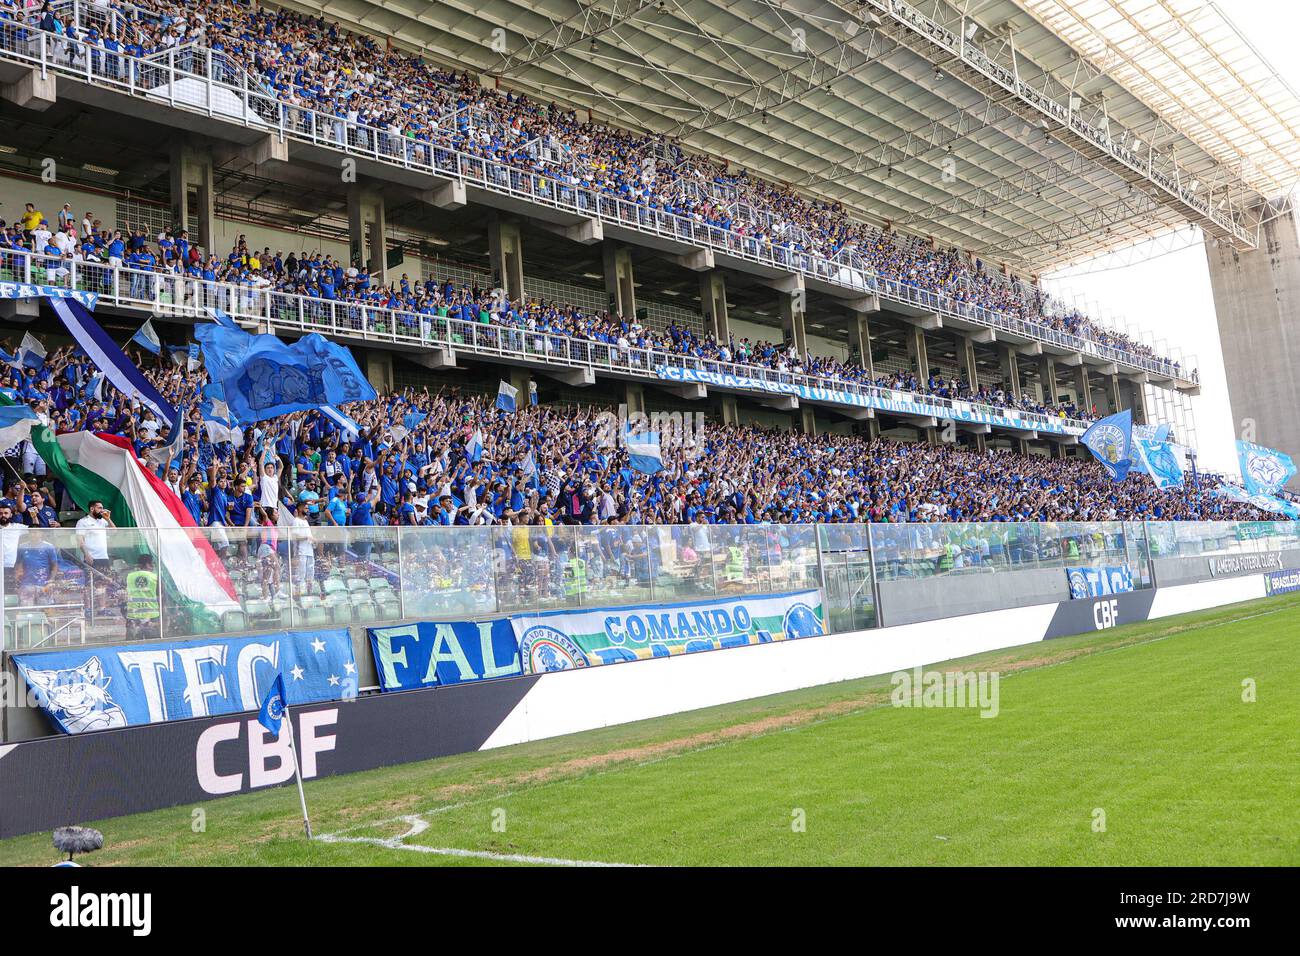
[149, 683]
[27, 290]
[1099, 582]
[899, 403]
[430, 653]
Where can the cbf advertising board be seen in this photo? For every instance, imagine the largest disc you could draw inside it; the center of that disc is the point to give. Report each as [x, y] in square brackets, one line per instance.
[560, 640]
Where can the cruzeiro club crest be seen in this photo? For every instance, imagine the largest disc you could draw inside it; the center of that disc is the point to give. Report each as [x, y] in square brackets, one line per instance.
[275, 708]
[1078, 585]
[1106, 441]
[800, 621]
[1265, 471]
[543, 649]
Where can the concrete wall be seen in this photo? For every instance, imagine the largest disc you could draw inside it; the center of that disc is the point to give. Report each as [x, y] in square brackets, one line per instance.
[1257, 299]
[909, 600]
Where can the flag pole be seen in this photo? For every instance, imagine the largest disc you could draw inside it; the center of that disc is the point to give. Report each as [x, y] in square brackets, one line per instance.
[297, 773]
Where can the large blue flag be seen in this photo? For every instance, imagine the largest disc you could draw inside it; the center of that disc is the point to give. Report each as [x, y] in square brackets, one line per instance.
[1158, 460]
[223, 320]
[1110, 441]
[263, 377]
[1264, 470]
[272, 712]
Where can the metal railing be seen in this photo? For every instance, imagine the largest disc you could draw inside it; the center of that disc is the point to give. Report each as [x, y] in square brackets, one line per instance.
[207, 82]
[168, 294]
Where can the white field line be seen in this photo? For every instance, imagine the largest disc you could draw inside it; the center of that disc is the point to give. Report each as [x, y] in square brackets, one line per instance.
[418, 825]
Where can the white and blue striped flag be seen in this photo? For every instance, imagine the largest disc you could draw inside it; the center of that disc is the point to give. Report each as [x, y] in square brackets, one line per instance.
[147, 338]
[643, 452]
[506, 395]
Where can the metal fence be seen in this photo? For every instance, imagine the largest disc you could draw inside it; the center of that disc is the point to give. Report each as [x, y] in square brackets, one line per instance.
[66, 586]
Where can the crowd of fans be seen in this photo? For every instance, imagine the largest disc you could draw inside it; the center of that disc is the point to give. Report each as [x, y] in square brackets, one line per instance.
[416, 305]
[544, 464]
[374, 94]
[296, 508]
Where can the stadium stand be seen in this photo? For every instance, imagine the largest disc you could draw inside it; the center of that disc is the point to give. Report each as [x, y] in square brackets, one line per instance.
[384, 99]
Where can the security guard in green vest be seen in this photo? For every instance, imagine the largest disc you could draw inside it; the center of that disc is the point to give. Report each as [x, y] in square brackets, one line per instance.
[142, 610]
[575, 581]
[949, 557]
[734, 572]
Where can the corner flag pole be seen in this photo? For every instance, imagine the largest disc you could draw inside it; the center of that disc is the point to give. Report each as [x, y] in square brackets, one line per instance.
[297, 773]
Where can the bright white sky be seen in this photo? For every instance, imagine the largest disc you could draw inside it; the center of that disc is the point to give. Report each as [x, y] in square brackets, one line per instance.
[1167, 293]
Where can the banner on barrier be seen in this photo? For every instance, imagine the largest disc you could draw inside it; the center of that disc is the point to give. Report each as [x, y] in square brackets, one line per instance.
[99, 688]
[904, 403]
[1281, 582]
[560, 640]
[25, 290]
[443, 652]
[1098, 582]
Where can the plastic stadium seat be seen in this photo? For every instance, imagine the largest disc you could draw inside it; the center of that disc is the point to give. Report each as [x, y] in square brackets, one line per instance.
[380, 584]
[234, 621]
[357, 584]
[334, 587]
[366, 613]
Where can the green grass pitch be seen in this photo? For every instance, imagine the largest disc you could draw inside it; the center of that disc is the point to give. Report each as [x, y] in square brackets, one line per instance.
[1134, 746]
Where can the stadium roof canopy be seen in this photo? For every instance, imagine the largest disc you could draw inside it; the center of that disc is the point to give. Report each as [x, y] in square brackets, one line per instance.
[1033, 132]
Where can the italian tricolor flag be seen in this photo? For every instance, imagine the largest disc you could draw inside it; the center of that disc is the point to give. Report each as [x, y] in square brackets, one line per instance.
[100, 467]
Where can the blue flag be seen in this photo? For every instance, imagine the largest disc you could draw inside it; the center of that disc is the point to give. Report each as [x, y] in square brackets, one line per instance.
[475, 446]
[1264, 470]
[643, 452]
[532, 393]
[272, 712]
[1110, 441]
[350, 429]
[147, 338]
[1158, 460]
[223, 320]
[506, 395]
[263, 377]
[412, 420]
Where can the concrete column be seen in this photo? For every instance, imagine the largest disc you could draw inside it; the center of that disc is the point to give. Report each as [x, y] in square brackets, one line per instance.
[873, 428]
[1116, 394]
[794, 306]
[1257, 299]
[1022, 446]
[966, 360]
[981, 442]
[367, 230]
[506, 256]
[634, 396]
[1083, 386]
[916, 352]
[805, 421]
[521, 379]
[379, 369]
[191, 170]
[1009, 359]
[713, 302]
[1047, 372]
[620, 284]
[860, 340]
[1138, 402]
[728, 409]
